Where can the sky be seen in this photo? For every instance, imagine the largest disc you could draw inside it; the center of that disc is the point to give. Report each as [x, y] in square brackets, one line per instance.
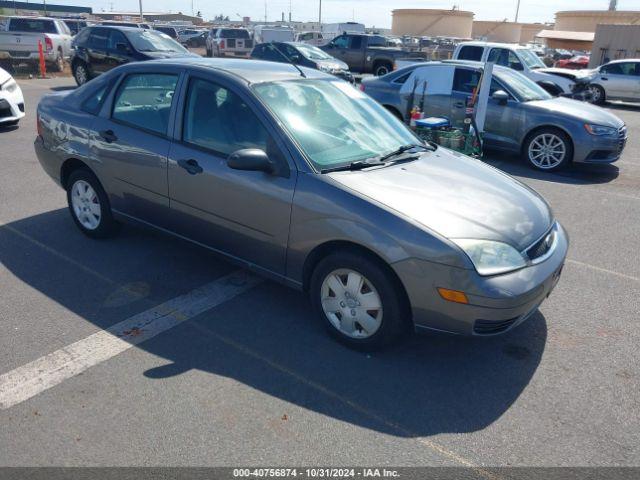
[370, 12]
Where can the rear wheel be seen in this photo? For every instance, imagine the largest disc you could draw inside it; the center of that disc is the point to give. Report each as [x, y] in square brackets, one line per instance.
[548, 149]
[209, 53]
[58, 64]
[357, 300]
[81, 73]
[598, 95]
[89, 205]
[382, 69]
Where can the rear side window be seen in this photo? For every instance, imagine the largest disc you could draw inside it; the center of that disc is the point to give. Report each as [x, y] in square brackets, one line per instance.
[505, 57]
[94, 101]
[98, 39]
[144, 101]
[34, 26]
[470, 52]
[403, 78]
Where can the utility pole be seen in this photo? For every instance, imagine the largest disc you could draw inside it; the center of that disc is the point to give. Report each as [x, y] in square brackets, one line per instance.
[517, 11]
[265, 11]
[141, 16]
[320, 16]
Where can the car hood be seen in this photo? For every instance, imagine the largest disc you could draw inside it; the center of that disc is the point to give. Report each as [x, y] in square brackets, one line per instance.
[334, 64]
[580, 110]
[457, 197]
[575, 75]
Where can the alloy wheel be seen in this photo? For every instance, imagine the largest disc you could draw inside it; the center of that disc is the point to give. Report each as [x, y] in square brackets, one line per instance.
[351, 303]
[81, 75]
[547, 151]
[86, 205]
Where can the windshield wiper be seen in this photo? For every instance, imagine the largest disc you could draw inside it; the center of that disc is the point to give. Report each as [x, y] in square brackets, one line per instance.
[357, 165]
[403, 149]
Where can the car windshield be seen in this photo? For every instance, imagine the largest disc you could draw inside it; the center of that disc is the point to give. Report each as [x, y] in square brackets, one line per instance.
[524, 89]
[313, 53]
[153, 41]
[530, 59]
[334, 123]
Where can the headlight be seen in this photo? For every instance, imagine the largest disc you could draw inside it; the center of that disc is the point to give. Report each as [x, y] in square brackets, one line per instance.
[600, 130]
[9, 86]
[489, 257]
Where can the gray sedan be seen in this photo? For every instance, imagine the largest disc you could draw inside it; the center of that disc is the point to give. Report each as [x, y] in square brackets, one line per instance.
[311, 183]
[549, 132]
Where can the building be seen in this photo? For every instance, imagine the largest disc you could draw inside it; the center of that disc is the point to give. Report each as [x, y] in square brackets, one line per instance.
[613, 42]
[27, 8]
[161, 17]
[432, 23]
[565, 40]
[530, 30]
[588, 20]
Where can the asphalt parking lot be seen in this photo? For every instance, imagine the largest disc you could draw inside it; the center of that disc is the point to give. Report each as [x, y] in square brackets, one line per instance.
[251, 378]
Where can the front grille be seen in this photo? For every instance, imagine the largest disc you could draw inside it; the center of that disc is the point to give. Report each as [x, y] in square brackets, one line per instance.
[622, 138]
[542, 246]
[231, 43]
[489, 327]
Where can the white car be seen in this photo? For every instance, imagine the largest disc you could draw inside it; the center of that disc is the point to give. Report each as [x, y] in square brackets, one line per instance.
[617, 80]
[11, 100]
[556, 81]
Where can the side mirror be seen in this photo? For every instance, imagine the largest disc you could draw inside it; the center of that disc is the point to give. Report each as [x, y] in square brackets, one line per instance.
[122, 47]
[295, 58]
[517, 66]
[500, 96]
[251, 159]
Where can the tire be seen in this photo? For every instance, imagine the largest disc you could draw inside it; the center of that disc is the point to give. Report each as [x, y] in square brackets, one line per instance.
[93, 222]
[81, 73]
[382, 68]
[598, 95]
[342, 309]
[12, 123]
[548, 149]
[209, 53]
[58, 65]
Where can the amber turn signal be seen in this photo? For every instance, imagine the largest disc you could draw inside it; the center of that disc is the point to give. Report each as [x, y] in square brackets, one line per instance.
[453, 295]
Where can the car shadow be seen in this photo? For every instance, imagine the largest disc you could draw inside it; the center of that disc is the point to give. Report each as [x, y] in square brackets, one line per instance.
[575, 174]
[268, 340]
[63, 88]
[629, 107]
[8, 128]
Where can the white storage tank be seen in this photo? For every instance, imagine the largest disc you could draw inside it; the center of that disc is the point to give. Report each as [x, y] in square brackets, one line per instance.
[432, 23]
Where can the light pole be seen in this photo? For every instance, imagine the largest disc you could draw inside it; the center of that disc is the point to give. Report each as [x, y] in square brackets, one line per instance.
[517, 11]
[320, 16]
[141, 16]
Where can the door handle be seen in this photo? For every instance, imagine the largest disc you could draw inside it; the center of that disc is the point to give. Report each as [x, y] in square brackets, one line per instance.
[458, 104]
[191, 166]
[108, 136]
[604, 79]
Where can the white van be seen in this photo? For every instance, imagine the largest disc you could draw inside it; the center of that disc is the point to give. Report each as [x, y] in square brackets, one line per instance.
[332, 30]
[272, 33]
[312, 38]
[557, 81]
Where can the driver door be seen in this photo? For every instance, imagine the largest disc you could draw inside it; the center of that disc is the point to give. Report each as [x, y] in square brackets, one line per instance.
[244, 214]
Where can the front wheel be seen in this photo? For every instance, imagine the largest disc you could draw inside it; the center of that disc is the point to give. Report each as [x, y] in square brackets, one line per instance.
[89, 205]
[81, 73]
[358, 301]
[548, 149]
[598, 95]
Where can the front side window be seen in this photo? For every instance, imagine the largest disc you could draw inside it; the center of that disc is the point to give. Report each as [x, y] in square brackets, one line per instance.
[144, 101]
[116, 37]
[356, 43]
[505, 57]
[153, 41]
[332, 122]
[341, 42]
[217, 119]
[98, 39]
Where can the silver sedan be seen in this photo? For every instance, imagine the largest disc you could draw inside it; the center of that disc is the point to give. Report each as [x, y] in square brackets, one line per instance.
[617, 80]
[310, 182]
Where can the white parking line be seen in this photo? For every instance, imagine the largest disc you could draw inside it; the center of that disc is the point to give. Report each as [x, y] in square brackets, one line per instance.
[50, 370]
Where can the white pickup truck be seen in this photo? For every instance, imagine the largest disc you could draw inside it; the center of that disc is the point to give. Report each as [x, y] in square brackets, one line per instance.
[19, 37]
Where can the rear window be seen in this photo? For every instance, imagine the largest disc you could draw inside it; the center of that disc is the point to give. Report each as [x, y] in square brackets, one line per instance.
[32, 25]
[234, 33]
[470, 52]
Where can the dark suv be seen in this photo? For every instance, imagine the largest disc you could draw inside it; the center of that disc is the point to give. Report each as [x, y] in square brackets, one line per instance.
[98, 49]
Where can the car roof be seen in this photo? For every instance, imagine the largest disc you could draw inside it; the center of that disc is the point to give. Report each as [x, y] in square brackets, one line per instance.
[491, 44]
[624, 60]
[251, 71]
[117, 27]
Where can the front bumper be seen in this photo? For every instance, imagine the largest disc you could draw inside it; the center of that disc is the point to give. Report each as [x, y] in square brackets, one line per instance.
[496, 304]
[11, 105]
[600, 148]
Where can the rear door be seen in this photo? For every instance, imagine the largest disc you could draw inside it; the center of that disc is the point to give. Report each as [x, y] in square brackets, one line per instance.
[118, 50]
[244, 214]
[131, 140]
[96, 47]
